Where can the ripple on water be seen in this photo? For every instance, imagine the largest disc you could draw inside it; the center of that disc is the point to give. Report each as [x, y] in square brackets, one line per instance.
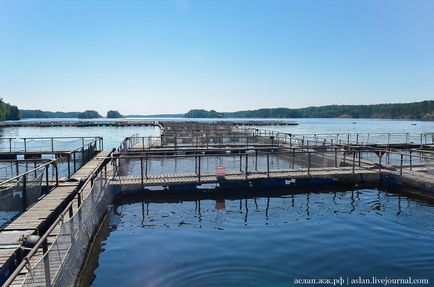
[268, 241]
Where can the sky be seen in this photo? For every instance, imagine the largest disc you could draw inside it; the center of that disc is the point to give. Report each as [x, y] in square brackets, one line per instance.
[158, 56]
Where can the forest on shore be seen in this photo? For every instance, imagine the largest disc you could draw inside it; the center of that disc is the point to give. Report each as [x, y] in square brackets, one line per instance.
[418, 110]
[8, 111]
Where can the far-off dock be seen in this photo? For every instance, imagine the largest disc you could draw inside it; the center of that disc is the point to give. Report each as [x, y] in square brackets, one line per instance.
[136, 123]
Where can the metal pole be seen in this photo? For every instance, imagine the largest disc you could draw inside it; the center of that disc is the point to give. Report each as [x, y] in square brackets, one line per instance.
[46, 263]
[105, 173]
[46, 174]
[308, 164]
[268, 165]
[336, 157]
[247, 164]
[402, 158]
[69, 165]
[79, 199]
[256, 160]
[379, 166]
[146, 168]
[71, 212]
[411, 168]
[25, 145]
[241, 162]
[24, 192]
[57, 173]
[82, 155]
[141, 172]
[198, 175]
[354, 160]
[75, 165]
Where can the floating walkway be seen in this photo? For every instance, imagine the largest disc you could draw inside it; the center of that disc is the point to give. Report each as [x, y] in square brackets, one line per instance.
[38, 218]
[133, 123]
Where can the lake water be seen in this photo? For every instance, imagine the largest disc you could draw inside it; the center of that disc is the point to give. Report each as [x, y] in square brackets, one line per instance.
[114, 135]
[266, 241]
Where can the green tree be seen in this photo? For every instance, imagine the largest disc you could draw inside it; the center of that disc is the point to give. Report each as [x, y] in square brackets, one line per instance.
[114, 115]
[8, 111]
[89, 114]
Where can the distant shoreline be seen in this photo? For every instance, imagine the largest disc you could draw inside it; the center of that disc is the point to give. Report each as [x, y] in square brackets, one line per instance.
[405, 111]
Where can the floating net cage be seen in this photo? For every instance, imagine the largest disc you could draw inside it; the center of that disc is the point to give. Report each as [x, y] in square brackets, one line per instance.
[233, 163]
[61, 264]
[42, 144]
[19, 195]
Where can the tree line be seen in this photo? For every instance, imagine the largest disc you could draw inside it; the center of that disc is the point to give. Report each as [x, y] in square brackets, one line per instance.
[8, 111]
[418, 110]
[88, 114]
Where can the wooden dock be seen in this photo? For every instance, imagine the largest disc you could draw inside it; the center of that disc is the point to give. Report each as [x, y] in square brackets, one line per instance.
[39, 216]
[135, 123]
[168, 180]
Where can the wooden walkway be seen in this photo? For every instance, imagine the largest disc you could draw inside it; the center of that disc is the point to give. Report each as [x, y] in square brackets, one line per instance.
[38, 217]
[192, 178]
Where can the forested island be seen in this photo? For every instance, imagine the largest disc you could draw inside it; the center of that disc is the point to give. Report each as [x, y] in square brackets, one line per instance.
[419, 110]
[89, 114]
[38, 114]
[114, 115]
[8, 111]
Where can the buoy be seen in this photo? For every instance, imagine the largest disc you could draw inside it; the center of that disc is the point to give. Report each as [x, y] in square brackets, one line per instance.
[220, 172]
[31, 240]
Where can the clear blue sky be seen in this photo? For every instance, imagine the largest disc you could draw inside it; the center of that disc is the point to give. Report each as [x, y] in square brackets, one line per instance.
[146, 57]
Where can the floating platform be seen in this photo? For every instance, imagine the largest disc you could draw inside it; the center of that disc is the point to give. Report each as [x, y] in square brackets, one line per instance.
[136, 123]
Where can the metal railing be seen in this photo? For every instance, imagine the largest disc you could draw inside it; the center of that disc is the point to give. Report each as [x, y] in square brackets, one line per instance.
[20, 184]
[50, 267]
[343, 138]
[251, 161]
[44, 144]
[47, 172]
[256, 136]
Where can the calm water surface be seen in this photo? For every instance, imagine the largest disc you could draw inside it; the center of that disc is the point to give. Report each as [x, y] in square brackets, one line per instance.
[114, 135]
[267, 241]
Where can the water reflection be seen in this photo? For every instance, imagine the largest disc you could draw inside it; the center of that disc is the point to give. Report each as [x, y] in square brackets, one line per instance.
[304, 206]
[266, 241]
[220, 204]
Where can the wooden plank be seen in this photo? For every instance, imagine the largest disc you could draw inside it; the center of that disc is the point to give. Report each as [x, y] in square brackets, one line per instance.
[30, 220]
